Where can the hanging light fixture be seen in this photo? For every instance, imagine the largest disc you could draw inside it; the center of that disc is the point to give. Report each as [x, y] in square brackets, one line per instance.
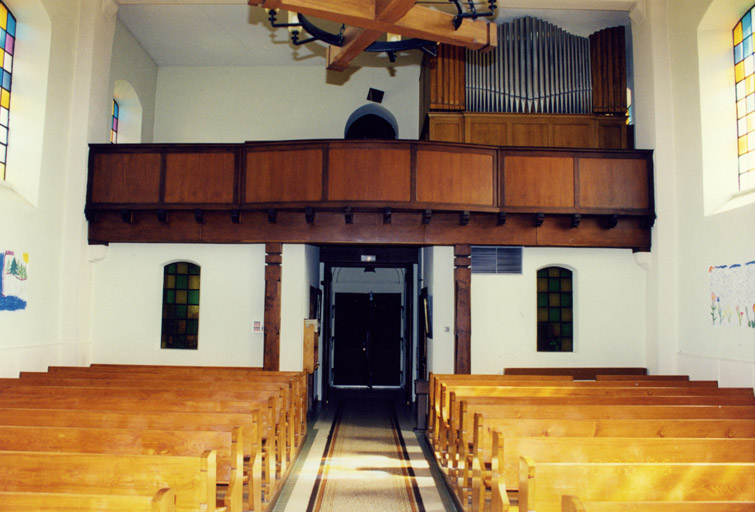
[409, 25]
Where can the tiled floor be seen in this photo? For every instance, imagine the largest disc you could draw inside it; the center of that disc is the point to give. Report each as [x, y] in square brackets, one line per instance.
[296, 494]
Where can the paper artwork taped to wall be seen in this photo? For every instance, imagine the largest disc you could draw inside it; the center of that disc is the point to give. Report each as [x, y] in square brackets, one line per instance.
[14, 276]
[732, 294]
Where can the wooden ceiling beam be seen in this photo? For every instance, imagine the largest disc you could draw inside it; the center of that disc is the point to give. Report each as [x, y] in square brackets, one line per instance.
[417, 21]
[358, 39]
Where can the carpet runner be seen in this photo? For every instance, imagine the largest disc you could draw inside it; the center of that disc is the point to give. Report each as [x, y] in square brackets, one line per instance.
[365, 466]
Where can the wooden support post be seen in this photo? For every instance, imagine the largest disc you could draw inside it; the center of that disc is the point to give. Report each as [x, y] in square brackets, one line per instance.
[273, 259]
[463, 308]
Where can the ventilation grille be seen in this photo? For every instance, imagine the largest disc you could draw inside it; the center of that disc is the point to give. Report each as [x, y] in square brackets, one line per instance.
[496, 260]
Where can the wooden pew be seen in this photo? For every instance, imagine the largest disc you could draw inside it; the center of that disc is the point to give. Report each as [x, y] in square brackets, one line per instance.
[461, 415]
[509, 449]
[164, 500]
[227, 446]
[541, 485]
[192, 478]
[639, 378]
[442, 385]
[274, 417]
[574, 504]
[297, 406]
[293, 403]
[577, 373]
[444, 413]
[260, 479]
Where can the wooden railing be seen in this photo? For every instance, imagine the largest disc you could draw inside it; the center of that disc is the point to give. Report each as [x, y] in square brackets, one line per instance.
[369, 191]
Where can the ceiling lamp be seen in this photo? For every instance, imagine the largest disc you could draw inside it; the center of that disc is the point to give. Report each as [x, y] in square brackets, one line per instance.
[409, 25]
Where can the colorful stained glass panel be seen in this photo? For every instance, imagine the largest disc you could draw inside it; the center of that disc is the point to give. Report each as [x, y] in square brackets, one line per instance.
[554, 310]
[115, 113]
[7, 44]
[744, 76]
[180, 306]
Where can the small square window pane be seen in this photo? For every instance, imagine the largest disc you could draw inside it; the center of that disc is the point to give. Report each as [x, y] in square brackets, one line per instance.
[181, 297]
[182, 268]
[193, 297]
[193, 282]
[182, 282]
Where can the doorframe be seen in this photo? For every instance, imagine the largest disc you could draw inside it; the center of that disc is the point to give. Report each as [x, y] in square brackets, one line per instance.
[402, 257]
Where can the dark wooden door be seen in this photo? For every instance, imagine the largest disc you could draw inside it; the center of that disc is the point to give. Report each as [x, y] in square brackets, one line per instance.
[367, 347]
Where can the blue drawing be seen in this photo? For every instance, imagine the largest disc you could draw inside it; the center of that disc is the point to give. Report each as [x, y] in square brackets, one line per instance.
[13, 276]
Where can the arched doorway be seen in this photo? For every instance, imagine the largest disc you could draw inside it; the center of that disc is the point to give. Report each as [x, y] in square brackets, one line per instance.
[371, 122]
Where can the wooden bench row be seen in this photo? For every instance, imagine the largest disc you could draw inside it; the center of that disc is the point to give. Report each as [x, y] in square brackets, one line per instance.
[493, 434]
[250, 424]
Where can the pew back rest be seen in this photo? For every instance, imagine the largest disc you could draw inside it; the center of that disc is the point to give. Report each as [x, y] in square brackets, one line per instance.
[541, 485]
[192, 478]
[163, 500]
[574, 504]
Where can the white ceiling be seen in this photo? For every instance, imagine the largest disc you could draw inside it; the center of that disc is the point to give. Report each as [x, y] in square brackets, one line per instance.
[232, 33]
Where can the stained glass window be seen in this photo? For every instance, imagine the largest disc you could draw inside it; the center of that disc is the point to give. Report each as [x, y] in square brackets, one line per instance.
[115, 113]
[555, 313]
[744, 76]
[7, 51]
[180, 306]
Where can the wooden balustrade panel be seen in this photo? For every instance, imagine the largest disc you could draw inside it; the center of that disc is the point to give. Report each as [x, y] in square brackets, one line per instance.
[125, 178]
[456, 178]
[369, 174]
[284, 175]
[538, 181]
[487, 129]
[201, 177]
[614, 183]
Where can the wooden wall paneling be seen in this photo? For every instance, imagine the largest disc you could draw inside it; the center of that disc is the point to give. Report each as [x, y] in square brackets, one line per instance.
[447, 78]
[368, 228]
[284, 175]
[125, 178]
[456, 177]
[463, 309]
[528, 133]
[612, 133]
[616, 184]
[446, 127]
[593, 231]
[273, 260]
[369, 174]
[573, 133]
[544, 182]
[200, 177]
[493, 130]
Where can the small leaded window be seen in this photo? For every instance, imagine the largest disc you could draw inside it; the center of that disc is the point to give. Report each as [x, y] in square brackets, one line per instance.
[180, 306]
[7, 46]
[114, 123]
[555, 313]
[744, 76]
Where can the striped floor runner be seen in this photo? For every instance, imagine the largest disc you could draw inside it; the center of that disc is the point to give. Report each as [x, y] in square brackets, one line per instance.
[365, 465]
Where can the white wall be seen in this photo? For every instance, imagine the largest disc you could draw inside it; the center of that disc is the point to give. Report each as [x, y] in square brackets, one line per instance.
[300, 270]
[724, 353]
[132, 64]
[48, 221]
[127, 312]
[609, 327]
[438, 277]
[227, 104]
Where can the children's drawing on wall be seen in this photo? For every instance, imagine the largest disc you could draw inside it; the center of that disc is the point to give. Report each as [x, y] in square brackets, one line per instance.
[732, 294]
[14, 275]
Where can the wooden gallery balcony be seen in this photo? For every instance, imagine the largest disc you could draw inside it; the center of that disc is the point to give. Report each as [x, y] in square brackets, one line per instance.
[403, 192]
